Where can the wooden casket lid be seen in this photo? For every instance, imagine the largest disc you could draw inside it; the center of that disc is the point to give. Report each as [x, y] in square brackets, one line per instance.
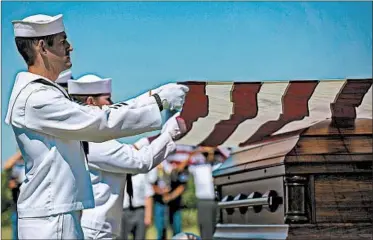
[320, 144]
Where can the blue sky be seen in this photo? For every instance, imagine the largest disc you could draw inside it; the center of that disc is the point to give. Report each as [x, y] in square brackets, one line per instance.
[142, 45]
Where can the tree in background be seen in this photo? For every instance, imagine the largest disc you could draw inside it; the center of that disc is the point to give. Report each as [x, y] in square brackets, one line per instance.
[6, 199]
[189, 202]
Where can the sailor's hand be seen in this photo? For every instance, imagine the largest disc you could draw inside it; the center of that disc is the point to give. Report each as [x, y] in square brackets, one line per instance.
[175, 126]
[172, 95]
[141, 143]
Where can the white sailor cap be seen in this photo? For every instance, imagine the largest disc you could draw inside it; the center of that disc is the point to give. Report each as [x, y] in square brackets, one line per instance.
[38, 26]
[64, 76]
[89, 84]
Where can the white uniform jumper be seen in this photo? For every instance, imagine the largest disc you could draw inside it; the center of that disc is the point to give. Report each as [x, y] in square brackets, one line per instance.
[109, 162]
[48, 128]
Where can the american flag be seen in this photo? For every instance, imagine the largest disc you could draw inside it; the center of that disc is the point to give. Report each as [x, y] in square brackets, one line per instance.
[240, 114]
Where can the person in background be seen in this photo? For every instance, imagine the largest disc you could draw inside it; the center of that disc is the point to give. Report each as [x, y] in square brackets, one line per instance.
[179, 179]
[149, 203]
[201, 166]
[132, 222]
[168, 189]
[160, 185]
[16, 166]
[137, 212]
[169, 185]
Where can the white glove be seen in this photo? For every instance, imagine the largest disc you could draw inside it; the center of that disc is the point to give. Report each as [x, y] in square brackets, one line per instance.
[172, 95]
[158, 90]
[175, 126]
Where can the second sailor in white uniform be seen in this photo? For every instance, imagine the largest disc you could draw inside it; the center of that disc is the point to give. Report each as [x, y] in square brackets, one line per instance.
[111, 162]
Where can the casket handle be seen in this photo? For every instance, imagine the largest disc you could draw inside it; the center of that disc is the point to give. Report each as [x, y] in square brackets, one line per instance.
[270, 199]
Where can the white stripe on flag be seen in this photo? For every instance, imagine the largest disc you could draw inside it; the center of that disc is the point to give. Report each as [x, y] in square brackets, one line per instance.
[365, 109]
[318, 106]
[269, 109]
[220, 108]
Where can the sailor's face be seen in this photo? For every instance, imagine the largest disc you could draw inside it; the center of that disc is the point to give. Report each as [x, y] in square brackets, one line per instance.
[59, 56]
[103, 100]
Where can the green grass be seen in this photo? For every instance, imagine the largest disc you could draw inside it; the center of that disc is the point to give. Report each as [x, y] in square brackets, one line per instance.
[189, 218]
[6, 232]
[189, 215]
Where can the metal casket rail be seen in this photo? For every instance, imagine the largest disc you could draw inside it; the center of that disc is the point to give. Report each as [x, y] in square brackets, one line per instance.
[270, 200]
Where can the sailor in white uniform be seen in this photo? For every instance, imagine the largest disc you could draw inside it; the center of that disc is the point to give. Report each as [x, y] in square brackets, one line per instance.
[111, 163]
[50, 131]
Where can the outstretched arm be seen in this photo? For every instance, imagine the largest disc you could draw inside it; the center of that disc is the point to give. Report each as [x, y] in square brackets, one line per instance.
[51, 113]
[60, 117]
[12, 160]
[113, 156]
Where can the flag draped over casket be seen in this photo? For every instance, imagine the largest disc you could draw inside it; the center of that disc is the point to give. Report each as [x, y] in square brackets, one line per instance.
[240, 114]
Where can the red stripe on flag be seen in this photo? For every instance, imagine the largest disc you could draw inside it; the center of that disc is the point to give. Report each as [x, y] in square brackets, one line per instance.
[294, 108]
[152, 138]
[349, 98]
[196, 103]
[245, 106]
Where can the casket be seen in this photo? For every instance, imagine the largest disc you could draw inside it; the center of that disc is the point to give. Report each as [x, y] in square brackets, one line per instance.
[315, 184]
[302, 164]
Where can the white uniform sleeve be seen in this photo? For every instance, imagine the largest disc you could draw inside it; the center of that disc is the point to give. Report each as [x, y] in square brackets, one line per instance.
[141, 101]
[112, 156]
[51, 113]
